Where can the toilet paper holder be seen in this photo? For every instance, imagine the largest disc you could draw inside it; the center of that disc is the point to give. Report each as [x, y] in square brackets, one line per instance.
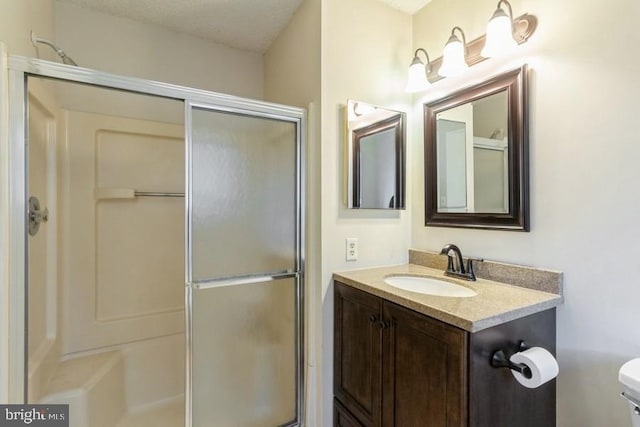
[500, 359]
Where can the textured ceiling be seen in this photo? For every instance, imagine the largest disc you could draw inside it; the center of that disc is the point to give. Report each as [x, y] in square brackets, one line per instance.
[242, 24]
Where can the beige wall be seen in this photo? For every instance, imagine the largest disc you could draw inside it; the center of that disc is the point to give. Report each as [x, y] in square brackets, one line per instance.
[292, 62]
[366, 49]
[18, 18]
[356, 61]
[489, 115]
[584, 151]
[123, 46]
[582, 148]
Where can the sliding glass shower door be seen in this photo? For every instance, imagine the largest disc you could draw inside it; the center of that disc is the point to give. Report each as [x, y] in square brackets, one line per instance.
[244, 267]
[244, 244]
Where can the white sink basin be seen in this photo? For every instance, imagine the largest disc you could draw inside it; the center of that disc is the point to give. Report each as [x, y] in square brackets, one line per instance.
[429, 286]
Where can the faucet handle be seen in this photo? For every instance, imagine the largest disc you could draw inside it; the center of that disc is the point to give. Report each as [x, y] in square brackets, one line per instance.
[470, 271]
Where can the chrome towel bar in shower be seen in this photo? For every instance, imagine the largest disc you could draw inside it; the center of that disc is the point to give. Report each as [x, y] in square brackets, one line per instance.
[156, 194]
[130, 193]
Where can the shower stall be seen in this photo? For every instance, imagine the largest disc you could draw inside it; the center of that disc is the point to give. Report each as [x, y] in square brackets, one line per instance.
[156, 262]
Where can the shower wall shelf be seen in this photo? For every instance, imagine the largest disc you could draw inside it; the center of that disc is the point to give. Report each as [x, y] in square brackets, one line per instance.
[129, 193]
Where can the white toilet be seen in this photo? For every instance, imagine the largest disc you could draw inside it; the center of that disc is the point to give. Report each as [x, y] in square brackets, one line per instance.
[629, 376]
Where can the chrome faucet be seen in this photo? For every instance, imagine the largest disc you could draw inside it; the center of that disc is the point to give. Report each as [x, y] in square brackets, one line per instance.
[459, 270]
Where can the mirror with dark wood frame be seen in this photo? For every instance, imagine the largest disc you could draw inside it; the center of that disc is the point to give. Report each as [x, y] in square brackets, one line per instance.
[476, 156]
[375, 157]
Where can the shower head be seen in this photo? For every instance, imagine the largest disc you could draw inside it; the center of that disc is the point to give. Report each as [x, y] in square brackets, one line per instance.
[65, 58]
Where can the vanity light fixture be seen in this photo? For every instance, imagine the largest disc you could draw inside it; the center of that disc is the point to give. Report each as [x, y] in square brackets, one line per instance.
[454, 55]
[499, 36]
[417, 79]
[503, 34]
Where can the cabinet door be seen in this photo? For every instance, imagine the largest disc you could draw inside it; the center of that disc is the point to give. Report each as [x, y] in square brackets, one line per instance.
[342, 417]
[357, 346]
[424, 371]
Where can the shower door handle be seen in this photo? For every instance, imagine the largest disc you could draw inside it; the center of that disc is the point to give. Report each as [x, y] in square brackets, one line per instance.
[36, 216]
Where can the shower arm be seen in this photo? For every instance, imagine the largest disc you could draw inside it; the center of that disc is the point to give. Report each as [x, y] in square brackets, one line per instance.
[65, 58]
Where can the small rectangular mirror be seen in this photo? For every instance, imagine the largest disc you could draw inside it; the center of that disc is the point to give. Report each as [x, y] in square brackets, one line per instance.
[375, 157]
[476, 156]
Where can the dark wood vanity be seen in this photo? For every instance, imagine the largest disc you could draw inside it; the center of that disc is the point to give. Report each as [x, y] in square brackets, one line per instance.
[396, 367]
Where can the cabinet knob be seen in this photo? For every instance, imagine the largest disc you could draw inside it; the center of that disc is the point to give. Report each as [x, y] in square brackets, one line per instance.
[374, 318]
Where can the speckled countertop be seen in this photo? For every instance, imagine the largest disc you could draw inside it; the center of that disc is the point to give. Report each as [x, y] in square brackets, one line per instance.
[495, 303]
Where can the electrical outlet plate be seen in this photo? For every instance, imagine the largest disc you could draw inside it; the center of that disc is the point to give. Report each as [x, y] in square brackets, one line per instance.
[351, 249]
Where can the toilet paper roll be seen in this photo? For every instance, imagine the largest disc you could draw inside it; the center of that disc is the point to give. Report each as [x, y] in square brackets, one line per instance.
[543, 365]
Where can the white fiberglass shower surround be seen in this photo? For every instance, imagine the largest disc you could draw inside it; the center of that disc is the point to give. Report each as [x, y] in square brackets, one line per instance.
[242, 336]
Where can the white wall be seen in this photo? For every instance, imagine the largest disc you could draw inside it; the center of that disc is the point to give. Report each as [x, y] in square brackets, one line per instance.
[366, 49]
[123, 46]
[584, 201]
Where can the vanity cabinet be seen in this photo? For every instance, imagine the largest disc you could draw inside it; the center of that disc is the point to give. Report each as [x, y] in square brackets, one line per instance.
[396, 367]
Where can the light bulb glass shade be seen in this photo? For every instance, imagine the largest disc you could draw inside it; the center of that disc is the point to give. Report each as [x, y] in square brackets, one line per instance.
[453, 58]
[417, 77]
[499, 39]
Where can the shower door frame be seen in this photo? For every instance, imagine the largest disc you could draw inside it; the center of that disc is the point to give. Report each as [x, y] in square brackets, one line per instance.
[13, 206]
